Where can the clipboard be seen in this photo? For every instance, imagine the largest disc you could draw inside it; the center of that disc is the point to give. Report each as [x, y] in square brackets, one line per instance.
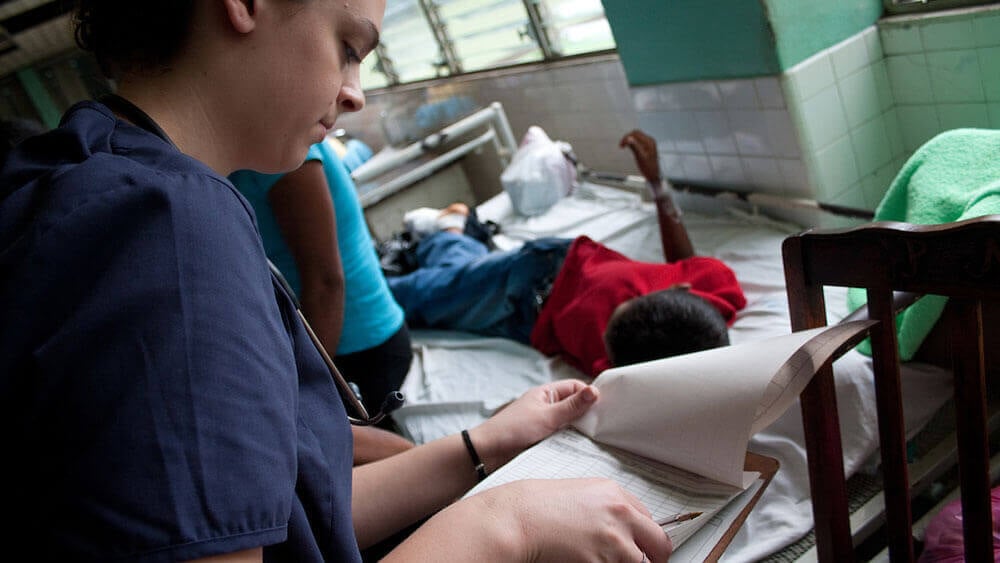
[735, 514]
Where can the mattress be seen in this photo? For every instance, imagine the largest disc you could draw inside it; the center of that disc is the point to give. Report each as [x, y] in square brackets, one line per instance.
[457, 380]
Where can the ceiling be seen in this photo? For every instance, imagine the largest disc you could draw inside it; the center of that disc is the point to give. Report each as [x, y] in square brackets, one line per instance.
[32, 31]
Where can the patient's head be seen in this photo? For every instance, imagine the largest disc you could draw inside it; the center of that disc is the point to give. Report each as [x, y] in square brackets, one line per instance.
[663, 324]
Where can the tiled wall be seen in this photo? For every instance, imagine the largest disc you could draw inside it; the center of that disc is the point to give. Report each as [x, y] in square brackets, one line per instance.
[944, 72]
[841, 102]
[863, 106]
[586, 103]
[728, 133]
[835, 127]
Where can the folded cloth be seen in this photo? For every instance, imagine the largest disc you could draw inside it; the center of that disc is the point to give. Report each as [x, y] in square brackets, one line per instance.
[954, 176]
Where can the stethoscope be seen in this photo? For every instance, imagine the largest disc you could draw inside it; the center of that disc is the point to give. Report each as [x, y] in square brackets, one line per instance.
[348, 392]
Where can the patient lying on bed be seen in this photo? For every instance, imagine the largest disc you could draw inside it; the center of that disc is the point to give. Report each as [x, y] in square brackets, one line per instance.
[575, 297]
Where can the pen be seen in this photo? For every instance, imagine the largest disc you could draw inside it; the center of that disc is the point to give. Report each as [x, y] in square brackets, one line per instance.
[678, 518]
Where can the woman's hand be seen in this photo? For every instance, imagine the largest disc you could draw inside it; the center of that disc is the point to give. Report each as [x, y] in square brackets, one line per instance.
[540, 411]
[544, 520]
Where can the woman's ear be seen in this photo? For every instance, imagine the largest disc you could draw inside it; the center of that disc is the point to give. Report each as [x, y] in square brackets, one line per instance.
[241, 15]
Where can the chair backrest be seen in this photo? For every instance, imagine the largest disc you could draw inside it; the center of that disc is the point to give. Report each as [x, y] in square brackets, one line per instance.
[959, 260]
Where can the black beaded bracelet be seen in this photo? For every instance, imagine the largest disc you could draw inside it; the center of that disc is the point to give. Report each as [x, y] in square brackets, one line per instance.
[476, 462]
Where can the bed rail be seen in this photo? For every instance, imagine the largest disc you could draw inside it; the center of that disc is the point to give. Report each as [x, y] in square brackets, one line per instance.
[492, 115]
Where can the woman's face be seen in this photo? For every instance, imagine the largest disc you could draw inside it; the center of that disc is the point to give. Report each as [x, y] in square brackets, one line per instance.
[309, 68]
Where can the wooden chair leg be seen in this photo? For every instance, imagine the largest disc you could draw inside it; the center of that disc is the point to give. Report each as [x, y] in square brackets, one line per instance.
[973, 442]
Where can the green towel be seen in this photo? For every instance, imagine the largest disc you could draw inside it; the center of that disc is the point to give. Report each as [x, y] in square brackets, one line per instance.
[954, 176]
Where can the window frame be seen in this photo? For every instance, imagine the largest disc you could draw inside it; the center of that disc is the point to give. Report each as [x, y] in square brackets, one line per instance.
[894, 7]
[539, 28]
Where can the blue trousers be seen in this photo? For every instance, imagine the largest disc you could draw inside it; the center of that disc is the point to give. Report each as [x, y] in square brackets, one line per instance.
[460, 285]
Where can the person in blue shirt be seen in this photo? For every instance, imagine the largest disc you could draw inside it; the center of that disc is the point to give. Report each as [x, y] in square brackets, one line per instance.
[314, 231]
[161, 398]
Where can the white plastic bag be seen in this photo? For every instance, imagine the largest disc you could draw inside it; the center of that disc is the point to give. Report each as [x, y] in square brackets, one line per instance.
[539, 174]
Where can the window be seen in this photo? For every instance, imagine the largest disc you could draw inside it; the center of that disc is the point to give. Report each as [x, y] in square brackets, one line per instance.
[408, 44]
[424, 39]
[909, 6]
[580, 26]
[488, 33]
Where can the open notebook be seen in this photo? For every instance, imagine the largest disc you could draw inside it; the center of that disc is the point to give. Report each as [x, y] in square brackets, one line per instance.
[674, 432]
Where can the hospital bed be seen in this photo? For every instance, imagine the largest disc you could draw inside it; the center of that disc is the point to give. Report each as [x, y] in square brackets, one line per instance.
[457, 380]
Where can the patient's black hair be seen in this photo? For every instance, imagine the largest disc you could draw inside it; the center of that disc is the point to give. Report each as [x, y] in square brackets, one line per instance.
[124, 38]
[663, 324]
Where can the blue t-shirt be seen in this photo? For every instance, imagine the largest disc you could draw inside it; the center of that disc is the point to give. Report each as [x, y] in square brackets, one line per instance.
[371, 315]
[158, 401]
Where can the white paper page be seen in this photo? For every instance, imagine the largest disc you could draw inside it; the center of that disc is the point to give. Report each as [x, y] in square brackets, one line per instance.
[664, 490]
[698, 411]
[701, 543]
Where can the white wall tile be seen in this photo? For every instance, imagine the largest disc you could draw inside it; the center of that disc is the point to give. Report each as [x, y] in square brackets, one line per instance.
[987, 30]
[994, 111]
[751, 133]
[853, 196]
[763, 172]
[917, 124]
[738, 94]
[696, 167]
[646, 98]
[810, 77]
[849, 56]
[836, 169]
[660, 127]
[825, 120]
[727, 170]
[716, 134]
[859, 92]
[616, 94]
[899, 39]
[883, 86]
[871, 146]
[682, 129]
[910, 80]
[670, 165]
[769, 92]
[795, 176]
[781, 134]
[989, 67]
[955, 76]
[873, 42]
[954, 116]
[876, 184]
[690, 96]
[892, 131]
[948, 34]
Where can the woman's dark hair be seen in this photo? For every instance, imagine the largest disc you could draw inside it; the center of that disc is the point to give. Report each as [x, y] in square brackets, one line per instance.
[123, 37]
[663, 324]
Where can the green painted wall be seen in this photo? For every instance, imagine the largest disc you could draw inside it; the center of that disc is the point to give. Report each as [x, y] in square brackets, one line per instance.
[40, 98]
[686, 40]
[806, 27]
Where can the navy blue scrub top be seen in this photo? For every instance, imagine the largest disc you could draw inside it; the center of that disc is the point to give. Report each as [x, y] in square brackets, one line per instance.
[157, 401]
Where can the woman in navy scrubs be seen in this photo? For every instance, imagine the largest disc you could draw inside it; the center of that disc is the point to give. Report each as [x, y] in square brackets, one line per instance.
[160, 399]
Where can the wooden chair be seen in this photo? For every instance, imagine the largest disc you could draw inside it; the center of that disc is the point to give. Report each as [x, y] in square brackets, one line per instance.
[960, 260]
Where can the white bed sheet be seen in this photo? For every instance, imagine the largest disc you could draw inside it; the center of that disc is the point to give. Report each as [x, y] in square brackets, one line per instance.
[458, 379]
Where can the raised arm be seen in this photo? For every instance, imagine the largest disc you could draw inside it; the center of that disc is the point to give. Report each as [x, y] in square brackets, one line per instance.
[673, 234]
